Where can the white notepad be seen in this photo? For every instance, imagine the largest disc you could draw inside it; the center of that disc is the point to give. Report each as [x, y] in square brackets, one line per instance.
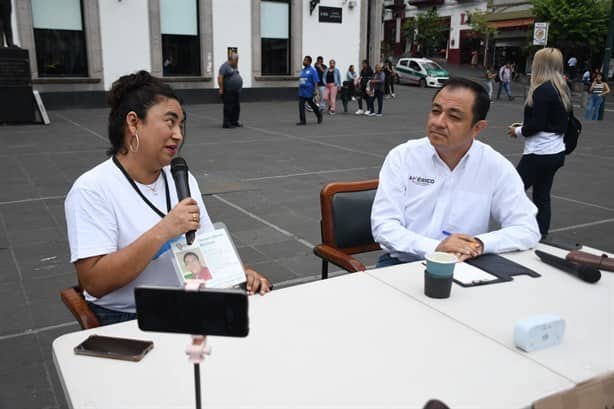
[468, 274]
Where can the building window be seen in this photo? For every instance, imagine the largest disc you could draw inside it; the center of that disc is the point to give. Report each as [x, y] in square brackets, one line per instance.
[180, 37]
[275, 38]
[59, 38]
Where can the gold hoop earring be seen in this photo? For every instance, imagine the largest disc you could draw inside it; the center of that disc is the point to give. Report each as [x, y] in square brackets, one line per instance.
[138, 143]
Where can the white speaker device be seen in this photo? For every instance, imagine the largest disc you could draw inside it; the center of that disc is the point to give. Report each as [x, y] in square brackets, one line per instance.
[539, 332]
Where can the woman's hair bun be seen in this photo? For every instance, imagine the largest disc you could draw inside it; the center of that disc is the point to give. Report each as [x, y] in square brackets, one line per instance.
[133, 93]
[126, 84]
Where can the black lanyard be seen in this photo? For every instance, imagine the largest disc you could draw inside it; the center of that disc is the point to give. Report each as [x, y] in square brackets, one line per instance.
[135, 187]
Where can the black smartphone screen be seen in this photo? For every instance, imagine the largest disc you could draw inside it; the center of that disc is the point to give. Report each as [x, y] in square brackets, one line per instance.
[203, 312]
[116, 348]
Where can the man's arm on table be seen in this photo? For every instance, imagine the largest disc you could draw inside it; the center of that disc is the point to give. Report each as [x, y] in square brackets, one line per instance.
[387, 215]
[513, 210]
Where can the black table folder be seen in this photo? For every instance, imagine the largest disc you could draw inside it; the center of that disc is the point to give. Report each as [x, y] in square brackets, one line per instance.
[498, 266]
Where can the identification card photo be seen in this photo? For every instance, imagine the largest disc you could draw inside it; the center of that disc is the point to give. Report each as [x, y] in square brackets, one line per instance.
[212, 258]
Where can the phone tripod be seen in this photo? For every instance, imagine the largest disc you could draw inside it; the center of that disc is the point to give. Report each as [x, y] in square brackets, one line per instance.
[198, 348]
[196, 351]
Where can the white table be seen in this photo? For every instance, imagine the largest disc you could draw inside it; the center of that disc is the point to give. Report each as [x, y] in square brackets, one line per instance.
[588, 309]
[368, 340]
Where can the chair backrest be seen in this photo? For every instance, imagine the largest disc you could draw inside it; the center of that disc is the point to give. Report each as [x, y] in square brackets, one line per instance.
[346, 215]
[74, 301]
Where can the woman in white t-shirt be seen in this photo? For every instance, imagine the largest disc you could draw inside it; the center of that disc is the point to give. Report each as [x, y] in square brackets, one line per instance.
[122, 214]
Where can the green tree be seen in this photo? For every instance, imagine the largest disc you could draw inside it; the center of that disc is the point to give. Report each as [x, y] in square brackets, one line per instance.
[407, 31]
[478, 20]
[425, 30]
[575, 25]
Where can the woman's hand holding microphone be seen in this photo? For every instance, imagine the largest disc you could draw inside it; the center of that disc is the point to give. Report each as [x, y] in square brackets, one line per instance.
[182, 218]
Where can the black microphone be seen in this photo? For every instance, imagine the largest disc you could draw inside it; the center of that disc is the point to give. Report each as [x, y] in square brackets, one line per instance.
[582, 271]
[179, 170]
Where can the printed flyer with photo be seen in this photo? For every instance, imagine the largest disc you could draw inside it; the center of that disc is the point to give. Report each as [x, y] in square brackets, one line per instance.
[212, 258]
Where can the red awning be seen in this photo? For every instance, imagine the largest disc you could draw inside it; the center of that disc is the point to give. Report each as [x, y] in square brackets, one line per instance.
[518, 22]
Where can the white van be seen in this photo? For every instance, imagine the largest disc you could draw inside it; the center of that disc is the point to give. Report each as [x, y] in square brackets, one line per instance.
[421, 71]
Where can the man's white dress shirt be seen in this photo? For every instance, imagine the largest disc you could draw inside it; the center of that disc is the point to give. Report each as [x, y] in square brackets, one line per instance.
[419, 197]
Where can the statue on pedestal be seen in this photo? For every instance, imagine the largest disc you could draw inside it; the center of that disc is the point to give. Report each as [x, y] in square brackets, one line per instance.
[6, 28]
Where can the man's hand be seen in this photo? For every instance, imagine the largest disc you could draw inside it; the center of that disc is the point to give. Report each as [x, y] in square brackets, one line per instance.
[462, 246]
[511, 131]
[256, 282]
[220, 92]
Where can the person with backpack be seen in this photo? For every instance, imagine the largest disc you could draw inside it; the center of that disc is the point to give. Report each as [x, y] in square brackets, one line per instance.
[546, 117]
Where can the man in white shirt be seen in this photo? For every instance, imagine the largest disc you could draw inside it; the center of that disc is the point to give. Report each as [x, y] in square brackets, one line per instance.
[505, 80]
[439, 193]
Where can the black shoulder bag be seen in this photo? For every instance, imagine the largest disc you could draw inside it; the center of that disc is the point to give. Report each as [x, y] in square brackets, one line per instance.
[573, 131]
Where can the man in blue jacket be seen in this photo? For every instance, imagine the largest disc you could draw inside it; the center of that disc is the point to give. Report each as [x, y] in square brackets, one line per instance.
[307, 89]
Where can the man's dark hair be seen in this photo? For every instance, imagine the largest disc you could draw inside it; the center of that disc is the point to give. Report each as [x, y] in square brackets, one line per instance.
[309, 58]
[320, 58]
[365, 62]
[189, 253]
[481, 103]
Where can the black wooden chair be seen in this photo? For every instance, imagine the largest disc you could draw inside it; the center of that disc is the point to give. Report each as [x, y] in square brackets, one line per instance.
[346, 224]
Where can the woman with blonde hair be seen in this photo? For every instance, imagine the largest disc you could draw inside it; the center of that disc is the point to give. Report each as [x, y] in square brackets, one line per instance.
[546, 114]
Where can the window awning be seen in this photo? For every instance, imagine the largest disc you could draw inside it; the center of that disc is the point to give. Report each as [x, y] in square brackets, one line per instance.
[518, 22]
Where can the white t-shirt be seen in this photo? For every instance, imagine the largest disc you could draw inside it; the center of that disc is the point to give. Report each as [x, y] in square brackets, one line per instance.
[105, 214]
[542, 143]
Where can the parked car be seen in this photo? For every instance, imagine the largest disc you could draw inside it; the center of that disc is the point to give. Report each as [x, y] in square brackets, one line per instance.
[421, 71]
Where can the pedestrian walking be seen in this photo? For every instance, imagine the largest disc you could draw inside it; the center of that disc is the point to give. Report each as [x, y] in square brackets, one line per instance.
[230, 84]
[390, 74]
[491, 74]
[321, 69]
[546, 115]
[307, 89]
[377, 85]
[366, 73]
[597, 90]
[505, 79]
[332, 84]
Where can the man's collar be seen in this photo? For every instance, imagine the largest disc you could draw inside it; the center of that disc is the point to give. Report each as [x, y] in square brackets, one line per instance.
[436, 158]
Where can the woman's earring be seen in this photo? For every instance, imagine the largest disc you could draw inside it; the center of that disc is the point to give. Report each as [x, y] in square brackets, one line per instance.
[138, 142]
